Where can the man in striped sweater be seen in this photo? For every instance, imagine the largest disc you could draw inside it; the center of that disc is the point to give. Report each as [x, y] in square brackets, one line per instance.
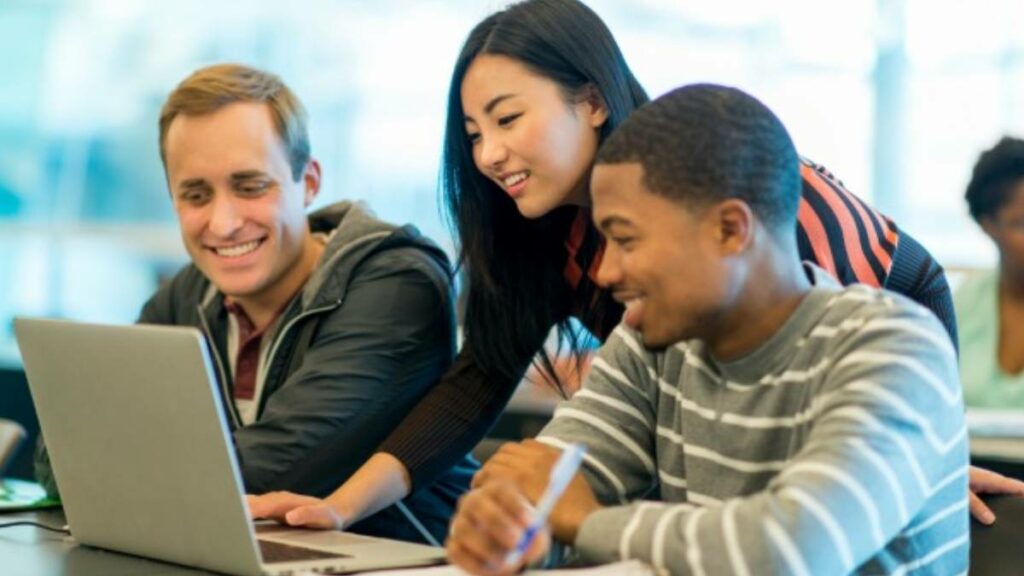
[750, 416]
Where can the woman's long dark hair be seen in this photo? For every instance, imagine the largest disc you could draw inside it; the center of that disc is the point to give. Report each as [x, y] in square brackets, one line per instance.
[517, 289]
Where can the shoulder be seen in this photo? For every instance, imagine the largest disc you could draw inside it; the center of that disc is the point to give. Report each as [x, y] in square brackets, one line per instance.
[405, 260]
[624, 351]
[859, 317]
[182, 292]
[369, 251]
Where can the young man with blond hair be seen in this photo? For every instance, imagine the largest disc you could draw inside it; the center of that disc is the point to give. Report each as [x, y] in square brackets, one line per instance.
[325, 329]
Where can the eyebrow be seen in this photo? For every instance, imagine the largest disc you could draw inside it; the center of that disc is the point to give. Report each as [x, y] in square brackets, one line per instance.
[491, 105]
[192, 183]
[242, 176]
[609, 221]
[247, 175]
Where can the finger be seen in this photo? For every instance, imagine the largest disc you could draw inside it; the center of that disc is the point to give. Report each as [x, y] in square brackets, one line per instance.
[287, 502]
[495, 526]
[980, 511]
[477, 550]
[479, 479]
[989, 482]
[509, 448]
[319, 516]
[514, 453]
[533, 449]
[495, 471]
[538, 548]
[255, 506]
[499, 471]
[467, 560]
[485, 529]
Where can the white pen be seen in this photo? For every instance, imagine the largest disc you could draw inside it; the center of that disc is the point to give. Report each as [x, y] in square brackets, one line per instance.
[563, 472]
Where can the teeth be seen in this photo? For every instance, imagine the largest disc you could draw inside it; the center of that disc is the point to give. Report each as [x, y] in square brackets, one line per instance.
[238, 250]
[515, 178]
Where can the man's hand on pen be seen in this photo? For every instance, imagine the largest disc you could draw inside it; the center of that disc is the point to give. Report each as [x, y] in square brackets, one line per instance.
[528, 466]
[488, 525]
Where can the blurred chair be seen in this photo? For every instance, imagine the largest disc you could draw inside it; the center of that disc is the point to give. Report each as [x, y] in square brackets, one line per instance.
[999, 549]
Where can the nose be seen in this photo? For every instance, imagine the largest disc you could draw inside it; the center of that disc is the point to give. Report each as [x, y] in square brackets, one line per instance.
[491, 151]
[609, 273]
[225, 217]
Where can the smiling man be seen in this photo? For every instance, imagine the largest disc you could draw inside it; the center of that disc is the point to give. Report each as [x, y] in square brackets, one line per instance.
[325, 329]
[750, 415]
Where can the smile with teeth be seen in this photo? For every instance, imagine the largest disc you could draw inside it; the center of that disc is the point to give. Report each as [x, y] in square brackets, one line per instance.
[513, 179]
[238, 249]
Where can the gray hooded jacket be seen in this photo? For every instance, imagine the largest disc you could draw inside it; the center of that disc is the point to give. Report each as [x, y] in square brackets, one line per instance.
[372, 330]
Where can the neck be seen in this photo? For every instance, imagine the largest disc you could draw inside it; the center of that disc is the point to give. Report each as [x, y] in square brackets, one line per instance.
[580, 195]
[263, 308]
[773, 288]
[1011, 284]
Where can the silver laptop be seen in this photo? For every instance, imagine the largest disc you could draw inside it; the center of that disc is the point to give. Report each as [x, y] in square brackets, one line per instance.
[143, 455]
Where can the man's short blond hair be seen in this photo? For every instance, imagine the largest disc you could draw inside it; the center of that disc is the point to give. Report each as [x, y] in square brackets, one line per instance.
[209, 89]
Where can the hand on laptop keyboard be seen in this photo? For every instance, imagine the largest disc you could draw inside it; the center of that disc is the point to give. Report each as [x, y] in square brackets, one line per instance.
[295, 510]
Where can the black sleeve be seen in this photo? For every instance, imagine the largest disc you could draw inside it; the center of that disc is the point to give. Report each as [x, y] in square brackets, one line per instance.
[450, 420]
[369, 363]
[916, 275]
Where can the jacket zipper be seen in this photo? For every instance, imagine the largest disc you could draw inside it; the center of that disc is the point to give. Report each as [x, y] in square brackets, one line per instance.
[307, 313]
[281, 334]
[236, 420]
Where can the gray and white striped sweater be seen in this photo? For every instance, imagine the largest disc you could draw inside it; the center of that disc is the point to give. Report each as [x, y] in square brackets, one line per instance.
[837, 446]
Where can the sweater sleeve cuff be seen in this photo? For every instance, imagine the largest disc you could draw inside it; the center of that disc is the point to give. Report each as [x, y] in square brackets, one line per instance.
[599, 538]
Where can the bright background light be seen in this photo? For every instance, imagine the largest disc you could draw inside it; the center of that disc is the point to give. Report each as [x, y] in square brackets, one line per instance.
[897, 97]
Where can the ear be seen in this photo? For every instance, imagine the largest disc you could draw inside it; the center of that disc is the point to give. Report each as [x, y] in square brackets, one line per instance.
[734, 221]
[594, 108]
[311, 177]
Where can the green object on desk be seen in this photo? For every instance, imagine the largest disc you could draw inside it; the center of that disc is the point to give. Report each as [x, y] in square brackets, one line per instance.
[19, 495]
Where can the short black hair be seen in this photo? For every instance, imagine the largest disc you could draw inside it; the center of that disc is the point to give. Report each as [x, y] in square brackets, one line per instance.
[704, 143]
[994, 176]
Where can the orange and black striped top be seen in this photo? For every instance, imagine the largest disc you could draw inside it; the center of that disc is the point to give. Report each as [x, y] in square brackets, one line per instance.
[844, 235]
[857, 244]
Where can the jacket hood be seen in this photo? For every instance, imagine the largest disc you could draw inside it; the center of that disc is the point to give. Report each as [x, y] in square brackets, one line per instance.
[354, 233]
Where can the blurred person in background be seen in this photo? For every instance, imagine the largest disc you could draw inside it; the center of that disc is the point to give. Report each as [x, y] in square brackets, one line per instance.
[990, 305]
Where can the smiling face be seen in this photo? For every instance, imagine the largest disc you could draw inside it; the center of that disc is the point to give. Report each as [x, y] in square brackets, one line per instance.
[665, 262]
[241, 213]
[537, 147]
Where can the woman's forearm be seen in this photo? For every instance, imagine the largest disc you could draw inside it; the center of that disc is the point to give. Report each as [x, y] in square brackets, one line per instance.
[379, 483]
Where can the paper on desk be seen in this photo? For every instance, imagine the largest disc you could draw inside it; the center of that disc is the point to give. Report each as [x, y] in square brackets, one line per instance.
[995, 423]
[626, 568]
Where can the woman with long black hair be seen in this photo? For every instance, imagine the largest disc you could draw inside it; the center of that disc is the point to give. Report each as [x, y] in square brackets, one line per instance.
[535, 90]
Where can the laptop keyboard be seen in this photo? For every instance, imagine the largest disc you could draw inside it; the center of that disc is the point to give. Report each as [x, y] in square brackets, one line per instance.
[273, 552]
